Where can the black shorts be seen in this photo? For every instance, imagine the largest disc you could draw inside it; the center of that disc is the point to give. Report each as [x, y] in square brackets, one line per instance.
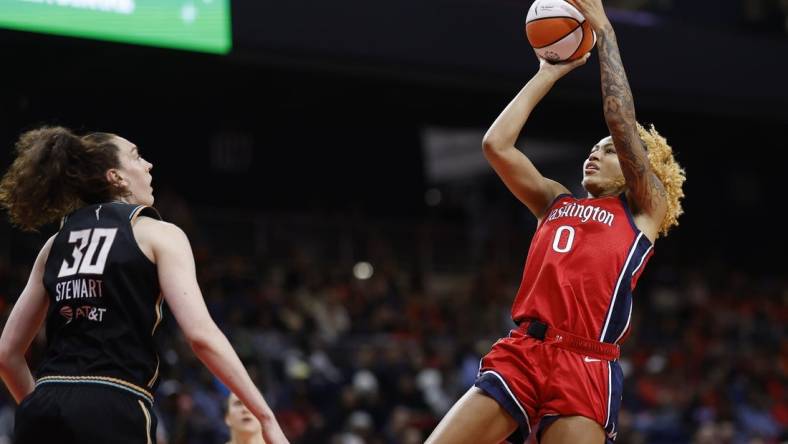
[84, 414]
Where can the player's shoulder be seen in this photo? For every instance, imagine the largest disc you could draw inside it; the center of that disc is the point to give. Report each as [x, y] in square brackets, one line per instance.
[159, 235]
[154, 225]
[47, 247]
[157, 228]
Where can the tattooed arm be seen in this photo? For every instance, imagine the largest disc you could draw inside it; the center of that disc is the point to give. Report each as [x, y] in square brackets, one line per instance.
[645, 190]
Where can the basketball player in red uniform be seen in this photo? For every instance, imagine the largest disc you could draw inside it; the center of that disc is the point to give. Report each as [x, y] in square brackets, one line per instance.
[557, 375]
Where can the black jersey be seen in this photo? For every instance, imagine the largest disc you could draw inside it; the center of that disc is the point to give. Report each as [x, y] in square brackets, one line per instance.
[105, 302]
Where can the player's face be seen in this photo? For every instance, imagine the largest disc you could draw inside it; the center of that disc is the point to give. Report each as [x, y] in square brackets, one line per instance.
[135, 172]
[239, 419]
[601, 171]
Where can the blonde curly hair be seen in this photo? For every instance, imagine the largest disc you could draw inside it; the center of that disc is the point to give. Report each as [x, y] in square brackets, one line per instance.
[672, 175]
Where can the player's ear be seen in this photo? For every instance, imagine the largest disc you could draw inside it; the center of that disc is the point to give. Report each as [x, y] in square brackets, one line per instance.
[114, 178]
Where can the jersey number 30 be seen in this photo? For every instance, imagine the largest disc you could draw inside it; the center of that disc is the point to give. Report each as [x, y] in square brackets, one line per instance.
[564, 237]
[88, 262]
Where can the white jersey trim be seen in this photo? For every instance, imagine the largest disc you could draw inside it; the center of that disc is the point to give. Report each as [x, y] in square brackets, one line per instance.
[618, 285]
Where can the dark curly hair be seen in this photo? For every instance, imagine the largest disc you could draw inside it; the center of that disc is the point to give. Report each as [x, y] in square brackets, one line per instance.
[55, 172]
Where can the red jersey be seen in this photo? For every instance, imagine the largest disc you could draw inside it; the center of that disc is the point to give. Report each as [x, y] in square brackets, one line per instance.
[582, 266]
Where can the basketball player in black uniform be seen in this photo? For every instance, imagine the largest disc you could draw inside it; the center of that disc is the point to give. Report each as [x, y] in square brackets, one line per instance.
[99, 283]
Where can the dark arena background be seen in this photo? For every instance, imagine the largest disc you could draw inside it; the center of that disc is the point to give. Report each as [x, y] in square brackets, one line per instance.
[360, 253]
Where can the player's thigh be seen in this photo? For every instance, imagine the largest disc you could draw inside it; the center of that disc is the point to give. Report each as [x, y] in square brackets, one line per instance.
[573, 430]
[476, 418]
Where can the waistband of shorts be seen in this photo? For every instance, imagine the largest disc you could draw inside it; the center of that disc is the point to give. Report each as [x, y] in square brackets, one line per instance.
[562, 339]
[100, 380]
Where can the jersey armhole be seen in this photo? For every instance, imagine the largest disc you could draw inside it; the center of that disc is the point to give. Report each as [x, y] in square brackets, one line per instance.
[64, 219]
[550, 206]
[631, 219]
[142, 210]
[628, 211]
[556, 198]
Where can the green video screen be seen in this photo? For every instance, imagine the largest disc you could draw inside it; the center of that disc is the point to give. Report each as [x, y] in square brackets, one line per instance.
[196, 25]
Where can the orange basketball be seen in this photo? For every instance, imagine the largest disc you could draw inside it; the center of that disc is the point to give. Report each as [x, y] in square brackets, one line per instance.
[558, 31]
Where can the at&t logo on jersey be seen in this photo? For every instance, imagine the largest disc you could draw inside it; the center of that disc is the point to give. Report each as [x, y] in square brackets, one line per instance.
[583, 212]
[88, 312]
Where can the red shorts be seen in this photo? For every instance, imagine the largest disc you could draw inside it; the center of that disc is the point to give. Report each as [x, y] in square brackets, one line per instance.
[537, 382]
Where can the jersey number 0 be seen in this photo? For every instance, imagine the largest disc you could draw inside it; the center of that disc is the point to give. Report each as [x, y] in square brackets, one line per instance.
[563, 242]
[88, 262]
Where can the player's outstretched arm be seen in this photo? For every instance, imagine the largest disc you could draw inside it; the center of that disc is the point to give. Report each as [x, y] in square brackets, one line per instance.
[177, 277]
[512, 166]
[23, 324]
[645, 189]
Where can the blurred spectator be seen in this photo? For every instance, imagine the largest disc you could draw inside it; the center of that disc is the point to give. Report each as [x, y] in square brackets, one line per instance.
[244, 427]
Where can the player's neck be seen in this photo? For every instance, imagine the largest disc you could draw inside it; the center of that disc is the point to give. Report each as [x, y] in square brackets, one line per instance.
[126, 199]
[606, 193]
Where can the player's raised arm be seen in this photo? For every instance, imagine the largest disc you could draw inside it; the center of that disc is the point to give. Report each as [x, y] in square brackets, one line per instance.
[512, 166]
[645, 190]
